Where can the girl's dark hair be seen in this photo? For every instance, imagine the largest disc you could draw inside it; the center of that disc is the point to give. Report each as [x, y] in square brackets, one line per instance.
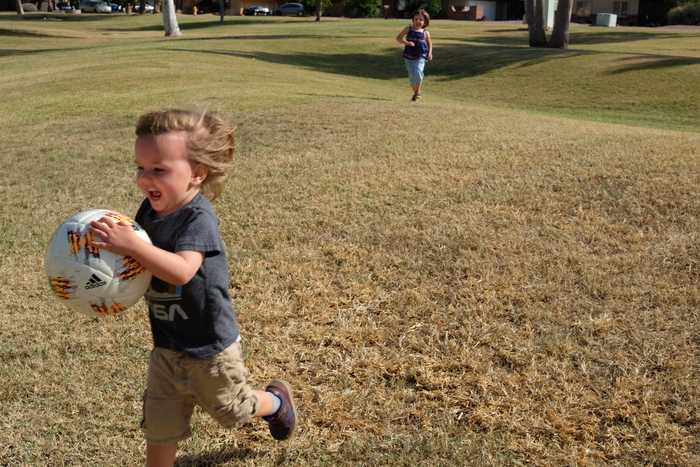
[425, 15]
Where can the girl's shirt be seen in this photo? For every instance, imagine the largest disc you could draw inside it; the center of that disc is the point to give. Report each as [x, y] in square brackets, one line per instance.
[420, 47]
[196, 318]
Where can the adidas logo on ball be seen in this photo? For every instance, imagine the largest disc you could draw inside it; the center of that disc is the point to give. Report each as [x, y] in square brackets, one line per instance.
[89, 280]
[93, 282]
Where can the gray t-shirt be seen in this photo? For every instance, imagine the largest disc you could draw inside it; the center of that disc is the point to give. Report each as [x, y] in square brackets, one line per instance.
[196, 318]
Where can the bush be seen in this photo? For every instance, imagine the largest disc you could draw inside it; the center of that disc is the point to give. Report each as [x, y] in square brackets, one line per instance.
[687, 13]
[310, 5]
[433, 7]
[29, 7]
[363, 8]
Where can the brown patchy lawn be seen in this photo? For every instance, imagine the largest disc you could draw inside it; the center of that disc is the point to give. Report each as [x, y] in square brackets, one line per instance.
[454, 285]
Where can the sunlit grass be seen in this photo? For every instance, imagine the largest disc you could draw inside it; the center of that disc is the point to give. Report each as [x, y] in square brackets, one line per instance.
[503, 274]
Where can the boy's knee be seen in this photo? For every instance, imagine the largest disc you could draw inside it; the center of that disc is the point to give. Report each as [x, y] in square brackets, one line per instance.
[237, 411]
[165, 421]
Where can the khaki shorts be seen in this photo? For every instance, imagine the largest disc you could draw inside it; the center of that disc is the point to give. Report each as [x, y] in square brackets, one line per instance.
[176, 382]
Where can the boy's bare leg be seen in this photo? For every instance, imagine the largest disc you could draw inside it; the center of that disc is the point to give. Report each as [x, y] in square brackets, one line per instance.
[163, 455]
[265, 403]
[160, 455]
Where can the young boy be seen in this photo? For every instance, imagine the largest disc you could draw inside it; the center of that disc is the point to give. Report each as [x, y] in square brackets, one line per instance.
[180, 157]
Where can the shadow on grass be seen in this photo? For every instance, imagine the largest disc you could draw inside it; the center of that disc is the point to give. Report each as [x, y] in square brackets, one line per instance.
[361, 65]
[215, 458]
[455, 61]
[464, 62]
[252, 37]
[187, 26]
[623, 36]
[16, 52]
[498, 31]
[452, 61]
[342, 96]
[654, 63]
[44, 16]
[24, 33]
[576, 38]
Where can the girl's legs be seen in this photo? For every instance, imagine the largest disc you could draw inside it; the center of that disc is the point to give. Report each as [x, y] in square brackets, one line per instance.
[416, 89]
[415, 75]
[160, 455]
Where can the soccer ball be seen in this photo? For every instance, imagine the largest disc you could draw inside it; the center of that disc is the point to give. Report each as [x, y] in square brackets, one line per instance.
[90, 280]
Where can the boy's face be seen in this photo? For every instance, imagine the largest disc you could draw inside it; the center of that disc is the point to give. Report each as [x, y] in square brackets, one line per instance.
[164, 173]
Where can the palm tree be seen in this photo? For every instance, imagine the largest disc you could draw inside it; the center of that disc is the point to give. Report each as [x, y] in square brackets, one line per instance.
[562, 20]
[534, 9]
[170, 20]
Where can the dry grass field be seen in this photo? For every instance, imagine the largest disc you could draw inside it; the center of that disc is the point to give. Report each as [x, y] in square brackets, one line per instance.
[504, 274]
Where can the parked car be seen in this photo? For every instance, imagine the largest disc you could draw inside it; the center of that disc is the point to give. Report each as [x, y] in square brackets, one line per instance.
[147, 7]
[116, 7]
[257, 10]
[94, 6]
[291, 9]
[64, 6]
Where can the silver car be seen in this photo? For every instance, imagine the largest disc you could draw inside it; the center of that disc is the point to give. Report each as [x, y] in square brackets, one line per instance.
[95, 6]
[291, 9]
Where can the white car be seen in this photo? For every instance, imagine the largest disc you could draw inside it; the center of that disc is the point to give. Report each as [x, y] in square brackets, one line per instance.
[95, 6]
[256, 10]
[147, 7]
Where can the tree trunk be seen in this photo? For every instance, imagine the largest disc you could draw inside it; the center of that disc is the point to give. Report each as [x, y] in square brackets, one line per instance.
[319, 6]
[221, 11]
[534, 9]
[142, 7]
[20, 8]
[562, 21]
[170, 20]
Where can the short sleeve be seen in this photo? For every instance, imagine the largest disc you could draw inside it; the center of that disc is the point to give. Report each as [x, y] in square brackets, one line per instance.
[199, 233]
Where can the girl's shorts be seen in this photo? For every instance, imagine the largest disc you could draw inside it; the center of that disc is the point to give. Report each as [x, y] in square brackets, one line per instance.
[415, 70]
[177, 381]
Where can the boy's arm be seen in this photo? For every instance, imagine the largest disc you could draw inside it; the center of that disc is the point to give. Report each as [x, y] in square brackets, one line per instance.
[174, 268]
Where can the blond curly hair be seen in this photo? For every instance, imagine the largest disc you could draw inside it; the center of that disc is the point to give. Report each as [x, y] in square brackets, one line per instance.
[210, 141]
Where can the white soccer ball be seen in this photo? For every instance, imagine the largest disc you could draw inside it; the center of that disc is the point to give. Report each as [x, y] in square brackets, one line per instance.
[90, 280]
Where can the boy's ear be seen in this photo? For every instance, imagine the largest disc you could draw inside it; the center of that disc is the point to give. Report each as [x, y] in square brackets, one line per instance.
[199, 174]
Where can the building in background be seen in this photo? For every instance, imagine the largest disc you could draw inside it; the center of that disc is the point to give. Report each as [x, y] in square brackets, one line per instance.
[475, 10]
[627, 11]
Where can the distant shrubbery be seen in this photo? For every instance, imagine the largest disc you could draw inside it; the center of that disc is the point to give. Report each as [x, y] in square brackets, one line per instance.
[363, 8]
[685, 13]
[372, 8]
[433, 7]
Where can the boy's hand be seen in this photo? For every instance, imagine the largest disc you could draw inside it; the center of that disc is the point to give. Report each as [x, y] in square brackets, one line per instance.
[116, 237]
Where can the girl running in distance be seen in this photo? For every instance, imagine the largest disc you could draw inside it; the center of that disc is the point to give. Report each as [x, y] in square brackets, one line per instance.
[418, 48]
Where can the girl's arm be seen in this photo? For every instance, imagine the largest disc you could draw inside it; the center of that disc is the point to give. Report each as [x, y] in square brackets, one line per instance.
[430, 45]
[174, 268]
[400, 38]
